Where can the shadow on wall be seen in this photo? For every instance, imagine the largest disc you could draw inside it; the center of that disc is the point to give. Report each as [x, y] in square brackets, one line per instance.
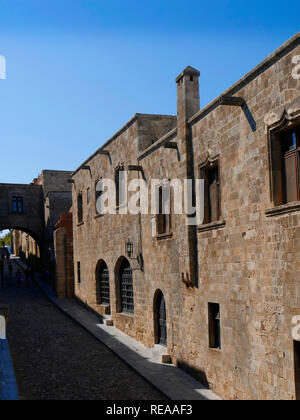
[249, 116]
[196, 373]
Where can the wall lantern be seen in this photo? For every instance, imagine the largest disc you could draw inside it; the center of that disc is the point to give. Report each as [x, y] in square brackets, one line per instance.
[129, 252]
[129, 249]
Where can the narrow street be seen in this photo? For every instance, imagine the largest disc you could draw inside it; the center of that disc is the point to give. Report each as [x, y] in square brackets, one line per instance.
[56, 359]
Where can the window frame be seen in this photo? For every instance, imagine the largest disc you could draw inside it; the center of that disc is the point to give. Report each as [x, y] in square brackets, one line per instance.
[163, 219]
[17, 204]
[103, 286]
[125, 306]
[79, 280]
[277, 157]
[214, 326]
[80, 208]
[204, 171]
[118, 169]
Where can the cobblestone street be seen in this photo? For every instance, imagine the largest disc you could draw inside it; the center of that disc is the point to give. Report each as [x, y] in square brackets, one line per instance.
[56, 359]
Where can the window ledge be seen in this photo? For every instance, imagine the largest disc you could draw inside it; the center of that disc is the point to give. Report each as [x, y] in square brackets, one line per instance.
[125, 314]
[215, 350]
[80, 224]
[212, 226]
[164, 236]
[286, 208]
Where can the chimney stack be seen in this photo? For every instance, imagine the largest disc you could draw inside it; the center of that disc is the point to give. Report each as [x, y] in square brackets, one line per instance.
[188, 97]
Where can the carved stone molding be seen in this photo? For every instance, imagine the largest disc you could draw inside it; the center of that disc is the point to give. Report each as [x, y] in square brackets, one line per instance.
[283, 117]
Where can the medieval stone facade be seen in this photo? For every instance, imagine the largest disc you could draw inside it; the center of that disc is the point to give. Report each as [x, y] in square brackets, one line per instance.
[32, 212]
[229, 287]
[63, 245]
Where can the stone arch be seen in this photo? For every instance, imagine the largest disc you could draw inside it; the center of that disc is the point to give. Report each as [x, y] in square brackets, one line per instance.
[124, 286]
[160, 318]
[36, 236]
[102, 278]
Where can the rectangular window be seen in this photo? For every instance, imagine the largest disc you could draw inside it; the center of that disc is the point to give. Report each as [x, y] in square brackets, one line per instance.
[212, 196]
[290, 146]
[297, 368]
[164, 221]
[286, 166]
[88, 196]
[78, 273]
[17, 205]
[214, 317]
[98, 195]
[120, 182]
[79, 208]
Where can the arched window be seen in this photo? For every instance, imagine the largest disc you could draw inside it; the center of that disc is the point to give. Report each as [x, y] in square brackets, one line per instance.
[160, 319]
[103, 289]
[126, 288]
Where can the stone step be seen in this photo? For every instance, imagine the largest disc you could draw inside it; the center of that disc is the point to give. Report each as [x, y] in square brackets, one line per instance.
[160, 353]
[108, 321]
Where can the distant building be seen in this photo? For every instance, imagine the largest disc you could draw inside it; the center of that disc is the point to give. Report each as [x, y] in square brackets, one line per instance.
[48, 196]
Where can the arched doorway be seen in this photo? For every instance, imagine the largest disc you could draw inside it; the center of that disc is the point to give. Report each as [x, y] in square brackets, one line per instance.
[102, 286]
[160, 319]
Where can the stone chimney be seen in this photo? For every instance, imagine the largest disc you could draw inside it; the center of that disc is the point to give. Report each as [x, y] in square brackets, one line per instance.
[188, 97]
[188, 104]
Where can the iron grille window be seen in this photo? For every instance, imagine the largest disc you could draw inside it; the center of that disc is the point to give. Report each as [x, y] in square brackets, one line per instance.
[212, 201]
[18, 205]
[214, 325]
[104, 291]
[126, 289]
[290, 146]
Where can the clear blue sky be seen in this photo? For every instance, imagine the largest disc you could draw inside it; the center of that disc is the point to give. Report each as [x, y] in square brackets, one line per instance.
[77, 70]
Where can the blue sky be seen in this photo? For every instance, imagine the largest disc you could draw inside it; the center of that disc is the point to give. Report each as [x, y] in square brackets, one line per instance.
[77, 70]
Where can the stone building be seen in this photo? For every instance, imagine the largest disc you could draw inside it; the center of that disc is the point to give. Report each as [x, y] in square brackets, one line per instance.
[220, 296]
[49, 196]
[63, 245]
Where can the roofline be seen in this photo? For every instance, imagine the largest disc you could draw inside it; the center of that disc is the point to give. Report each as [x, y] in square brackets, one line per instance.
[283, 50]
[54, 170]
[117, 134]
[20, 185]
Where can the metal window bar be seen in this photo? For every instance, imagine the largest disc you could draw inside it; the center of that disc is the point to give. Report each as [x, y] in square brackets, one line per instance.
[127, 298]
[104, 287]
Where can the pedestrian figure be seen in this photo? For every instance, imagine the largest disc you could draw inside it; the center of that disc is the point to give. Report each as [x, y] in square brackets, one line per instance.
[18, 278]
